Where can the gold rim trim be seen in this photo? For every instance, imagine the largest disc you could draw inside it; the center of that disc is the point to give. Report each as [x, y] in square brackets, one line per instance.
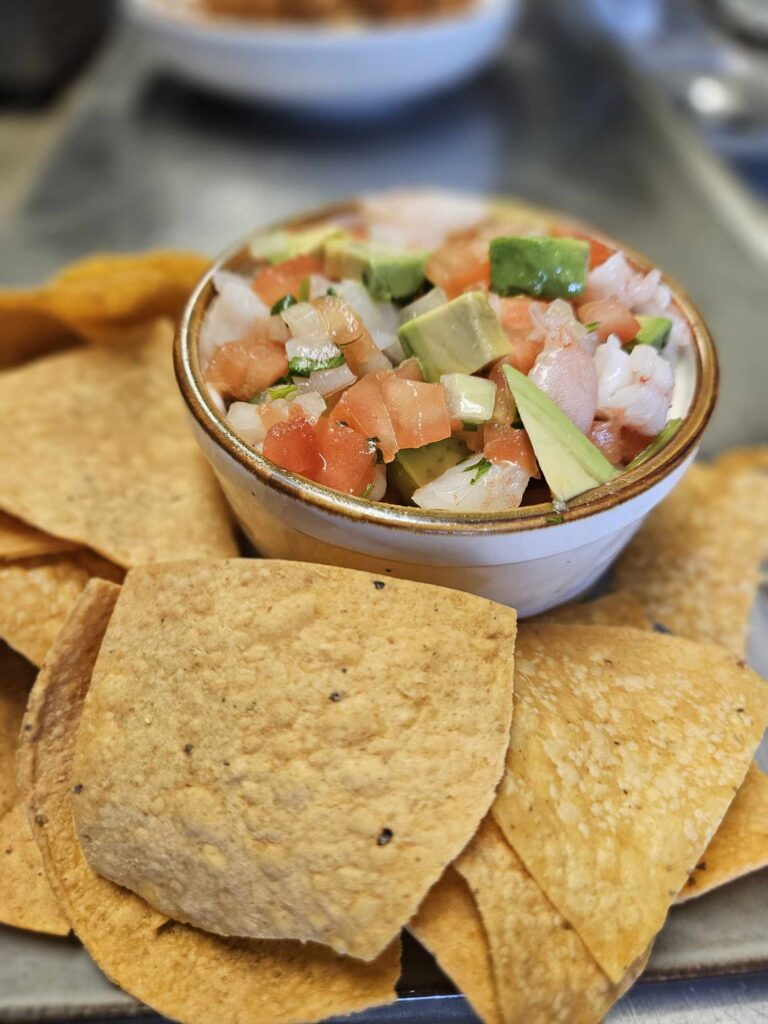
[627, 486]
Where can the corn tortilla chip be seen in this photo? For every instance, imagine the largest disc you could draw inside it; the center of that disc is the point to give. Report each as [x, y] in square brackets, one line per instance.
[26, 900]
[695, 562]
[288, 756]
[448, 924]
[626, 751]
[180, 972]
[620, 609]
[102, 299]
[104, 456]
[740, 845]
[37, 595]
[20, 540]
[738, 459]
[544, 973]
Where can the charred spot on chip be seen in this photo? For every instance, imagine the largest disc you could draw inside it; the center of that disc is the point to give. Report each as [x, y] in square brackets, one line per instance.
[739, 711]
[385, 837]
[188, 748]
[659, 627]
[702, 866]
[379, 584]
[40, 819]
[336, 697]
[78, 789]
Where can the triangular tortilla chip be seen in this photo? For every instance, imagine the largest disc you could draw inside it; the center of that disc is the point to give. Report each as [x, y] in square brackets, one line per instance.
[180, 972]
[620, 609]
[27, 330]
[626, 751]
[738, 459]
[37, 595]
[695, 562]
[448, 924]
[26, 900]
[740, 845]
[543, 971]
[97, 449]
[19, 540]
[335, 738]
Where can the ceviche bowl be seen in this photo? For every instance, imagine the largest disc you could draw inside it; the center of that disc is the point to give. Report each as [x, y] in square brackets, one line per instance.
[331, 68]
[540, 554]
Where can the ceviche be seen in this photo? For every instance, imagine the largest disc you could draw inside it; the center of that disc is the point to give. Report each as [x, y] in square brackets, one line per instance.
[445, 353]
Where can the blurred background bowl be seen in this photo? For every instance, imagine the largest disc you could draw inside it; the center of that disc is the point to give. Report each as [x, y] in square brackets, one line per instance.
[330, 69]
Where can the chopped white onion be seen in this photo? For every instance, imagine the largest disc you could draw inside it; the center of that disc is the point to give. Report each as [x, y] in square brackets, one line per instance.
[328, 381]
[319, 285]
[461, 489]
[216, 398]
[432, 300]
[245, 420]
[321, 352]
[395, 352]
[379, 488]
[306, 324]
[312, 403]
[231, 315]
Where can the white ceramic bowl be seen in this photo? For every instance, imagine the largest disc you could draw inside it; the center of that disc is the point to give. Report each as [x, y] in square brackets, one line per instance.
[520, 557]
[328, 69]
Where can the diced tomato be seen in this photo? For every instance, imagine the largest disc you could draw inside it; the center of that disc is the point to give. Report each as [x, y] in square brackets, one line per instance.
[473, 439]
[598, 253]
[418, 411]
[347, 459]
[505, 409]
[362, 408]
[632, 443]
[240, 369]
[272, 283]
[293, 445]
[518, 326]
[459, 265]
[506, 444]
[351, 335]
[409, 369]
[606, 435]
[611, 318]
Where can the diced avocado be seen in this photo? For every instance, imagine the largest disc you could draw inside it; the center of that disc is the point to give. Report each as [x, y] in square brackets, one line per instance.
[386, 272]
[277, 246]
[414, 467]
[462, 336]
[552, 268]
[654, 330]
[469, 399]
[434, 297]
[571, 464]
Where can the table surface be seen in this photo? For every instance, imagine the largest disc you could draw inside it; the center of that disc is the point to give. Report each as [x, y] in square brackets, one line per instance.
[147, 161]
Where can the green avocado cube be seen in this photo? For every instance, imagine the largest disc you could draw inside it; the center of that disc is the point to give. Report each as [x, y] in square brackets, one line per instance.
[654, 330]
[278, 246]
[415, 467]
[386, 272]
[550, 268]
[461, 336]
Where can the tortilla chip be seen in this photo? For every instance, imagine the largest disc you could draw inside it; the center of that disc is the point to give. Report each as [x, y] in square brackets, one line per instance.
[26, 900]
[102, 299]
[740, 845]
[695, 562]
[27, 330]
[738, 459]
[97, 449]
[180, 972]
[619, 609]
[350, 714]
[19, 540]
[448, 924]
[543, 971]
[37, 595]
[626, 751]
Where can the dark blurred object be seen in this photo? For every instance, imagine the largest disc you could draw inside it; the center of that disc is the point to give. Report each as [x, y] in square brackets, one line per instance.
[747, 17]
[320, 9]
[44, 41]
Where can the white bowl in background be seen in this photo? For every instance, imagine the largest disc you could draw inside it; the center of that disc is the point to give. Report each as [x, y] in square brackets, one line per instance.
[327, 68]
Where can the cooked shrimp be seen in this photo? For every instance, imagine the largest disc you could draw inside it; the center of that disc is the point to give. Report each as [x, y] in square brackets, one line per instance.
[565, 370]
[637, 387]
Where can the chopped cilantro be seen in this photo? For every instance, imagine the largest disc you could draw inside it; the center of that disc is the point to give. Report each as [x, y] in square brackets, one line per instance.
[332, 292]
[479, 468]
[593, 326]
[367, 490]
[555, 519]
[302, 366]
[471, 427]
[278, 390]
[282, 304]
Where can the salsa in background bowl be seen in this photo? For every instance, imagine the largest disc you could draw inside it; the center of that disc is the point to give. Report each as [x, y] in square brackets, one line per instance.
[518, 391]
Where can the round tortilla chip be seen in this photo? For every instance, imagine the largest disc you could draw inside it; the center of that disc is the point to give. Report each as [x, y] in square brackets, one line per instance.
[180, 972]
[619, 609]
[311, 746]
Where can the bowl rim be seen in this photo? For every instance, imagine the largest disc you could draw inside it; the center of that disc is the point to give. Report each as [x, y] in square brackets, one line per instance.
[242, 31]
[626, 486]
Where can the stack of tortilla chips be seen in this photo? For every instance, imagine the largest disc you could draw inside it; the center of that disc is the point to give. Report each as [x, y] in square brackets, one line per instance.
[239, 780]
